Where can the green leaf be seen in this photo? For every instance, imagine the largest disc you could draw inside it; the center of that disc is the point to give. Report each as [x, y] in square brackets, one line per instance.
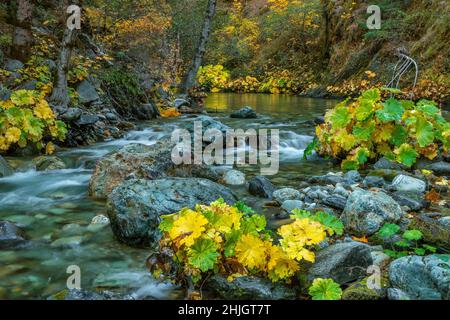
[14, 115]
[430, 248]
[392, 111]
[403, 244]
[391, 90]
[362, 155]
[203, 254]
[242, 207]
[310, 148]
[300, 214]
[254, 223]
[348, 165]
[166, 223]
[391, 253]
[406, 155]
[333, 224]
[429, 110]
[230, 242]
[364, 133]
[22, 97]
[399, 136]
[372, 94]
[420, 251]
[424, 132]
[364, 109]
[325, 289]
[340, 117]
[388, 230]
[412, 235]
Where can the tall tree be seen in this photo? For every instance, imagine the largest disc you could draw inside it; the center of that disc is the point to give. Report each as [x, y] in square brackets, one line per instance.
[60, 95]
[22, 36]
[189, 79]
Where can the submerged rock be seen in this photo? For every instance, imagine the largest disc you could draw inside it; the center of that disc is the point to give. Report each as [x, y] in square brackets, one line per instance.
[343, 262]
[10, 235]
[244, 113]
[48, 163]
[139, 161]
[261, 186]
[421, 278]
[367, 211]
[5, 168]
[249, 288]
[135, 206]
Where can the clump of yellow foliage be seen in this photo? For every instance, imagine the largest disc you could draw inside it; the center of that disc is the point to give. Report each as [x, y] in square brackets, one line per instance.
[26, 117]
[233, 241]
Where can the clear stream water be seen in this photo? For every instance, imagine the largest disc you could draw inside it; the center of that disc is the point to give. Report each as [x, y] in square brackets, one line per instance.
[54, 205]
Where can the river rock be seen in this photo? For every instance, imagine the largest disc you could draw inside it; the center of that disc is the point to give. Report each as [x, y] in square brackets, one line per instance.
[367, 211]
[373, 182]
[5, 168]
[179, 102]
[352, 177]
[75, 295]
[413, 200]
[343, 262]
[87, 119]
[422, 278]
[146, 111]
[48, 163]
[281, 195]
[10, 235]
[290, 205]
[433, 231]
[234, 178]
[361, 291]
[87, 92]
[327, 179]
[261, 186]
[335, 201]
[244, 113]
[385, 163]
[249, 288]
[72, 114]
[208, 123]
[12, 65]
[68, 242]
[340, 190]
[140, 162]
[135, 206]
[441, 168]
[407, 183]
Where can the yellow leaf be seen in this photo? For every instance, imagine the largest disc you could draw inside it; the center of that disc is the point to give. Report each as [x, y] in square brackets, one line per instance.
[188, 227]
[43, 110]
[49, 148]
[12, 135]
[251, 252]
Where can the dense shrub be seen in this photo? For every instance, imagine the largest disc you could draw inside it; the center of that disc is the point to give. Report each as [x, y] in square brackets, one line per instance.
[366, 128]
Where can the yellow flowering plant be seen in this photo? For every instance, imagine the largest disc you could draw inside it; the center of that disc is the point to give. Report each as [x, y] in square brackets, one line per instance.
[233, 241]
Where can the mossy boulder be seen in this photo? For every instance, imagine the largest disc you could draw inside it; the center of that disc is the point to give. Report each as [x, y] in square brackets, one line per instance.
[48, 163]
[434, 232]
[361, 290]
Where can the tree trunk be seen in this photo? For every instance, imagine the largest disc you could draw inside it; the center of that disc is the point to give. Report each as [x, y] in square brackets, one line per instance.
[190, 78]
[22, 35]
[326, 32]
[60, 96]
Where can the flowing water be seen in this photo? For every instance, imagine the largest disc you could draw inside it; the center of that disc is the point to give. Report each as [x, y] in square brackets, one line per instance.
[54, 210]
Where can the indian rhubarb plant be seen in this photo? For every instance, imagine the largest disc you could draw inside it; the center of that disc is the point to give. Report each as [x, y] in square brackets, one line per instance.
[233, 241]
[364, 129]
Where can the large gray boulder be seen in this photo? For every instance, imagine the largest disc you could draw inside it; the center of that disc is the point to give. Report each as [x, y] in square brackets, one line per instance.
[87, 92]
[141, 162]
[5, 168]
[281, 195]
[249, 288]
[439, 168]
[48, 163]
[146, 111]
[135, 206]
[421, 278]
[367, 211]
[343, 262]
[10, 235]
